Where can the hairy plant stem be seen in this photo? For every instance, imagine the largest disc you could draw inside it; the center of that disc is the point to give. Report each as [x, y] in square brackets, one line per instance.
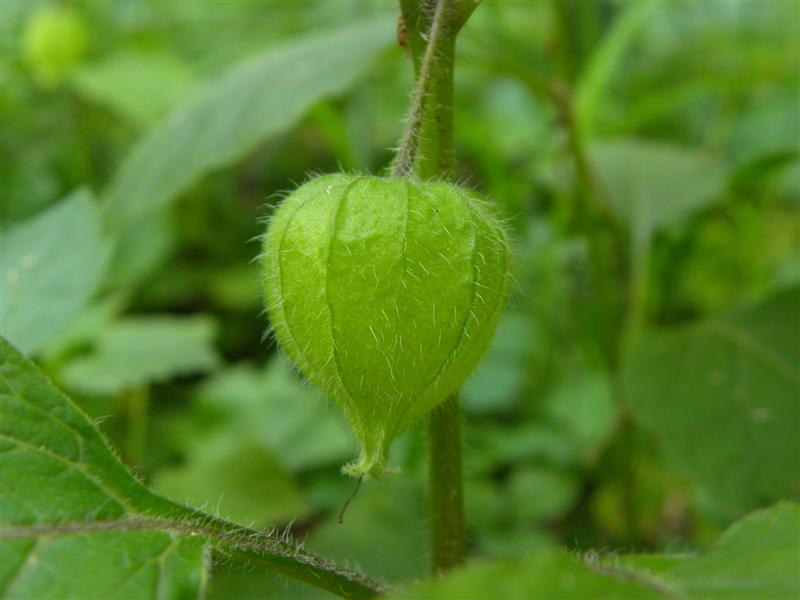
[429, 71]
[446, 487]
[426, 151]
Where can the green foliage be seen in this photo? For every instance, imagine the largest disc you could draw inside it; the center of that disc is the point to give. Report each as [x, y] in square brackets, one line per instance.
[500, 376]
[257, 489]
[735, 377]
[582, 406]
[51, 265]
[639, 394]
[547, 574]
[139, 86]
[137, 351]
[271, 407]
[52, 566]
[257, 429]
[69, 508]
[725, 571]
[423, 317]
[54, 41]
[652, 186]
[75, 511]
[225, 120]
[386, 518]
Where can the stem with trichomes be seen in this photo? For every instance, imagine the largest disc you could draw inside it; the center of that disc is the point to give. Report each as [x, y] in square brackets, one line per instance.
[426, 151]
[430, 69]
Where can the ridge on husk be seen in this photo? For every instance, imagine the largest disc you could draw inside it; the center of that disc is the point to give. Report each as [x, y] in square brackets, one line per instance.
[385, 293]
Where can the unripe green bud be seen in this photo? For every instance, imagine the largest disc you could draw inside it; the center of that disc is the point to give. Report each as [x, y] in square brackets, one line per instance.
[384, 293]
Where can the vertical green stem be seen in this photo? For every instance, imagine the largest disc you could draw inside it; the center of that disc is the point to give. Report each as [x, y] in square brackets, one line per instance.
[426, 151]
[422, 151]
[448, 542]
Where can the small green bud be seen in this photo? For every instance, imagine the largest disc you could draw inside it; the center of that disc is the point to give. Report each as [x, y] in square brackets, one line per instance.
[385, 293]
[53, 43]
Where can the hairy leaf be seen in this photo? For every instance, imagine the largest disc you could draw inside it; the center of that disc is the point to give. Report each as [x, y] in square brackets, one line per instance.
[546, 574]
[755, 558]
[728, 570]
[76, 523]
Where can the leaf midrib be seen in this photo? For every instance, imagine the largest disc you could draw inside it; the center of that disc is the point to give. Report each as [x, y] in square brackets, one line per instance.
[133, 497]
[237, 538]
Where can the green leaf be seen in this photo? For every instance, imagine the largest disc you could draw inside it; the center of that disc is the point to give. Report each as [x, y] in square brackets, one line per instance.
[582, 406]
[85, 327]
[546, 574]
[537, 494]
[163, 562]
[272, 407]
[140, 86]
[501, 375]
[495, 446]
[652, 185]
[75, 523]
[50, 266]
[241, 482]
[755, 558]
[139, 249]
[249, 102]
[136, 351]
[233, 581]
[381, 531]
[734, 379]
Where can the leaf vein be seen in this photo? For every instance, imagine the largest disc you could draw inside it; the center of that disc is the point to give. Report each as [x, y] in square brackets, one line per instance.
[77, 467]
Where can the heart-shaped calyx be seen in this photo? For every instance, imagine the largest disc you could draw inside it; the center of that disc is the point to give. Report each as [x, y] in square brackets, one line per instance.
[384, 292]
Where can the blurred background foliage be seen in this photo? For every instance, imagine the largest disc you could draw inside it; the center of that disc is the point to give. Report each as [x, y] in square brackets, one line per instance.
[641, 392]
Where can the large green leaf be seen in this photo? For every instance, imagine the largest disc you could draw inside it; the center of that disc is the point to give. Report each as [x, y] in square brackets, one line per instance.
[49, 268]
[161, 564]
[733, 381]
[250, 101]
[76, 524]
[756, 558]
[544, 575]
[137, 351]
